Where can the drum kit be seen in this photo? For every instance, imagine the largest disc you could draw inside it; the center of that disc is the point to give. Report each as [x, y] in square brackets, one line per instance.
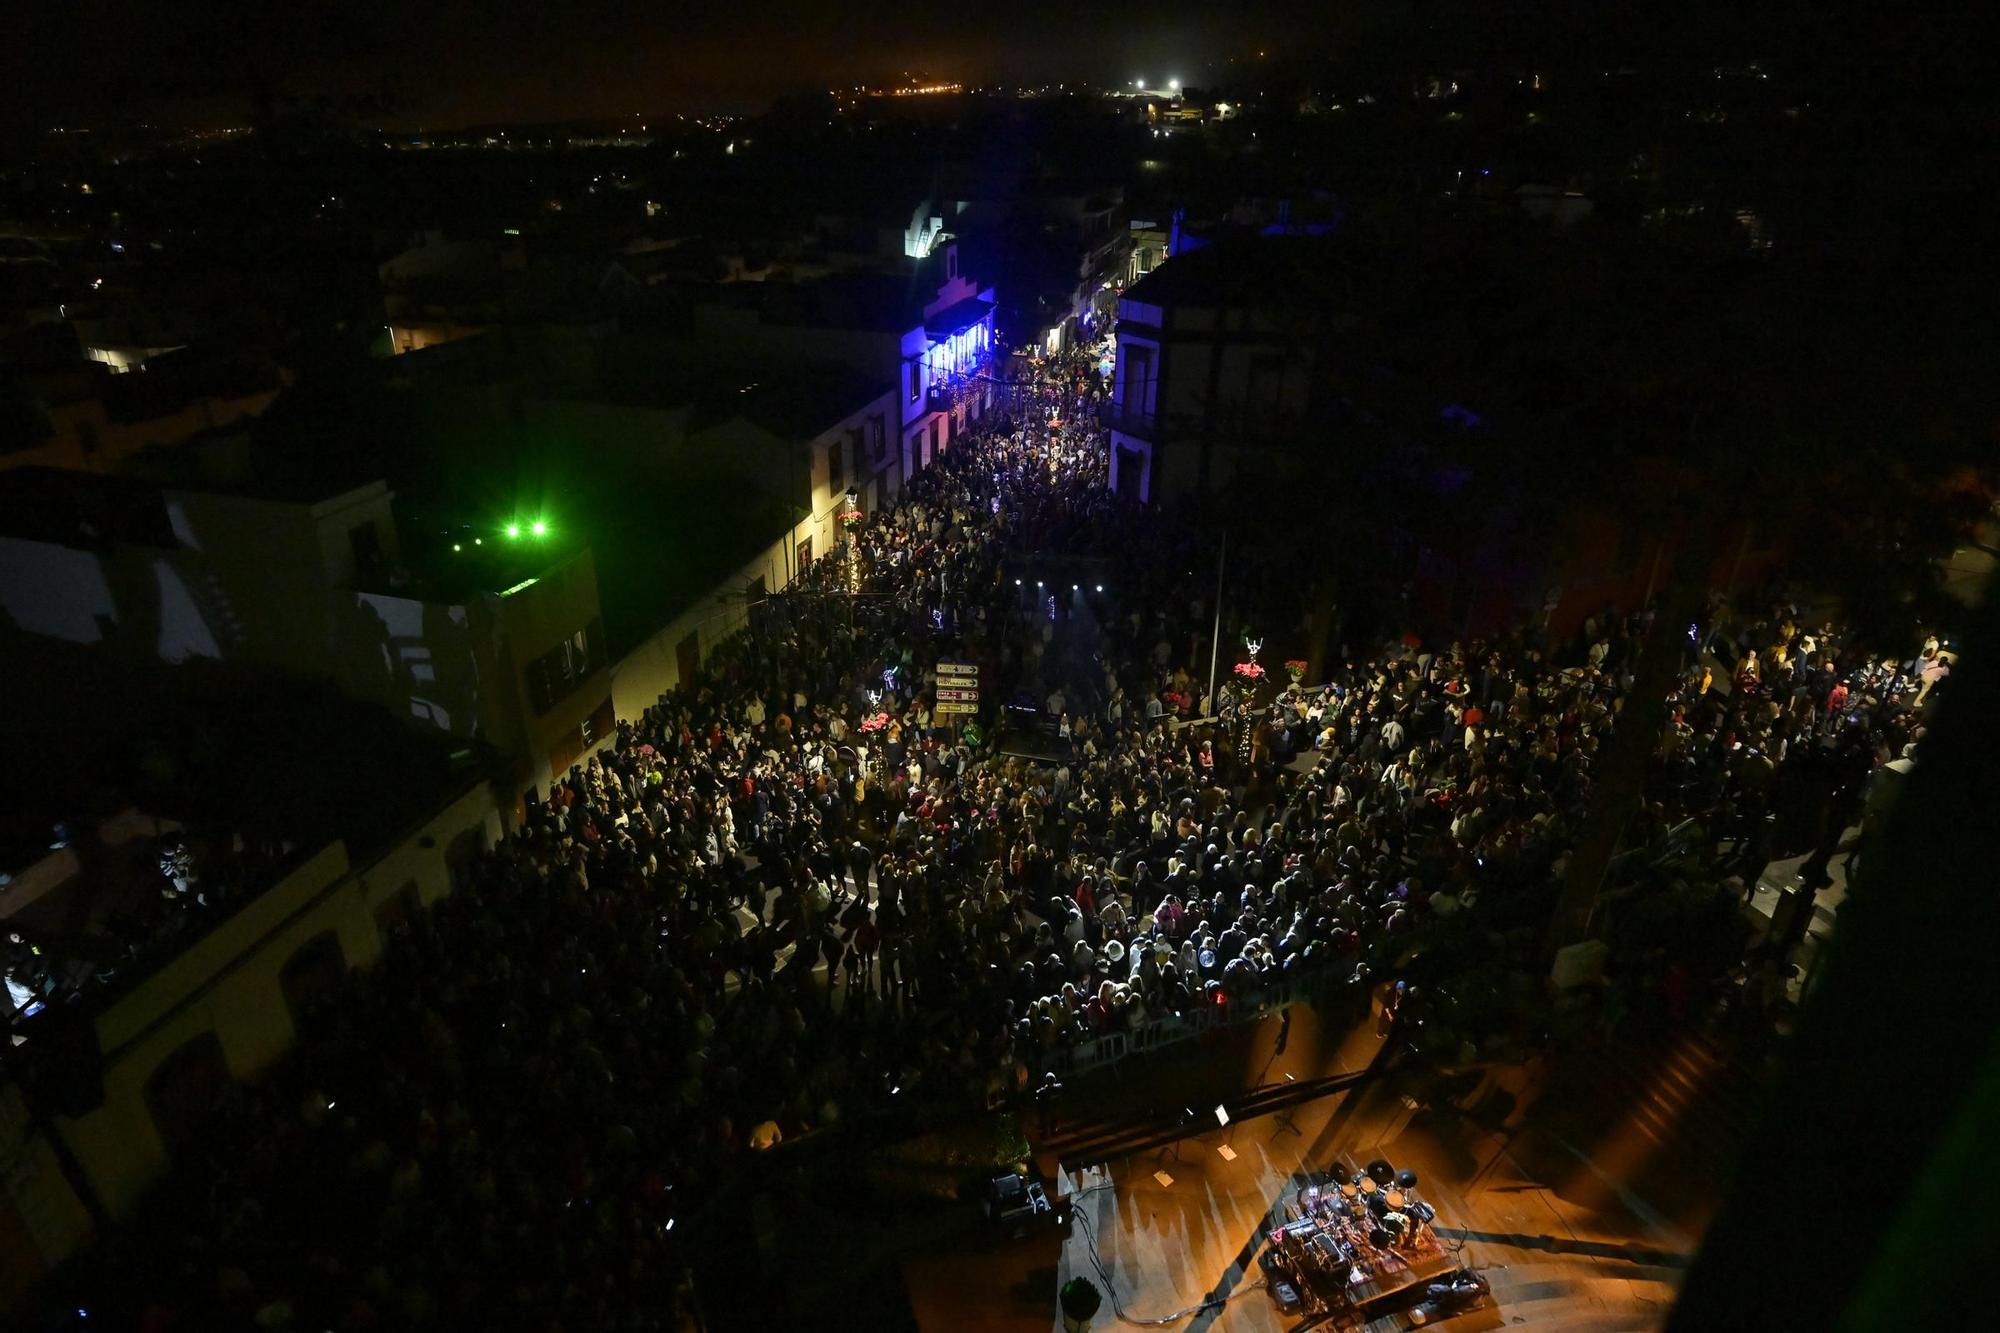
[1354, 1237]
[1386, 1199]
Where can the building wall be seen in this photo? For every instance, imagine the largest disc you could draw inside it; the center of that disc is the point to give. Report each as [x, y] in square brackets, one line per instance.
[42, 1221]
[420, 660]
[653, 668]
[517, 628]
[272, 583]
[1205, 390]
[250, 580]
[228, 985]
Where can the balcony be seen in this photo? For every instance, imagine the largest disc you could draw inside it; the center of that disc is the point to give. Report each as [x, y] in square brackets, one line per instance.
[946, 390]
[1119, 417]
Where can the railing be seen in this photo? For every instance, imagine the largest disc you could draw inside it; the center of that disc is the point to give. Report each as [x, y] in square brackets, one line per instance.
[1173, 1029]
[1119, 417]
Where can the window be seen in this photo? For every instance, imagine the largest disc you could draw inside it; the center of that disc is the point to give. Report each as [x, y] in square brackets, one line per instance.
[687, 653]
[916, 370]
[937, 429]
[1266, 388]
[367, 545]
[184, 1092]
[1136, 381]
[311, 975]
[878, 437]
[557, 673]
[398, 910]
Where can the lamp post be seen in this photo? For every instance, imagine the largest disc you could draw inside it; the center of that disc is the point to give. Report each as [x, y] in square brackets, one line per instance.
[1215, 640]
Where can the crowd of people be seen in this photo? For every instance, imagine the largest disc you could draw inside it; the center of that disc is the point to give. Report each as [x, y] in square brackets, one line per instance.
[793, 894]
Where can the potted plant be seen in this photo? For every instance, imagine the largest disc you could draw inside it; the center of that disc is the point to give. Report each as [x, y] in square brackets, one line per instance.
[1079, 1299]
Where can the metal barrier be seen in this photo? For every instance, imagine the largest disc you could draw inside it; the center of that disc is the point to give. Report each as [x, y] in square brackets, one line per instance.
[1173, 1029]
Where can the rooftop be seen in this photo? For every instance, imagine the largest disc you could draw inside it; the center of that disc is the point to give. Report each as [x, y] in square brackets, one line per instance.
[958, 317]
[448, 559]
[1271, 270]
[794, 402]
[249, 461]
[83, 509]
[874, 302]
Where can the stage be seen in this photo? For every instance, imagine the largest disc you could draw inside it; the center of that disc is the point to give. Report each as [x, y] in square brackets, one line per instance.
[1560, 1263]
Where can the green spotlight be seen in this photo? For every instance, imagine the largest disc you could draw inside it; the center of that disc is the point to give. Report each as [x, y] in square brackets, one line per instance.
[541, 529]
[457, 547]
[513, 529]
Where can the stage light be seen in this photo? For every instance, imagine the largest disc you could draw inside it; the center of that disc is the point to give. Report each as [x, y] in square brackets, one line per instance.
[1017, 583]
[1100, 587]
[456, 547]
[540, 528]
[513, 530]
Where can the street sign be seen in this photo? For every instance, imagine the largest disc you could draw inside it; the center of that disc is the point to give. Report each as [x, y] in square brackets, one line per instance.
[958, 689]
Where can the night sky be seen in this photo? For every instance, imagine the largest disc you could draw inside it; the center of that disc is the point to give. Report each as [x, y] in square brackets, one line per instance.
[457, 61]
